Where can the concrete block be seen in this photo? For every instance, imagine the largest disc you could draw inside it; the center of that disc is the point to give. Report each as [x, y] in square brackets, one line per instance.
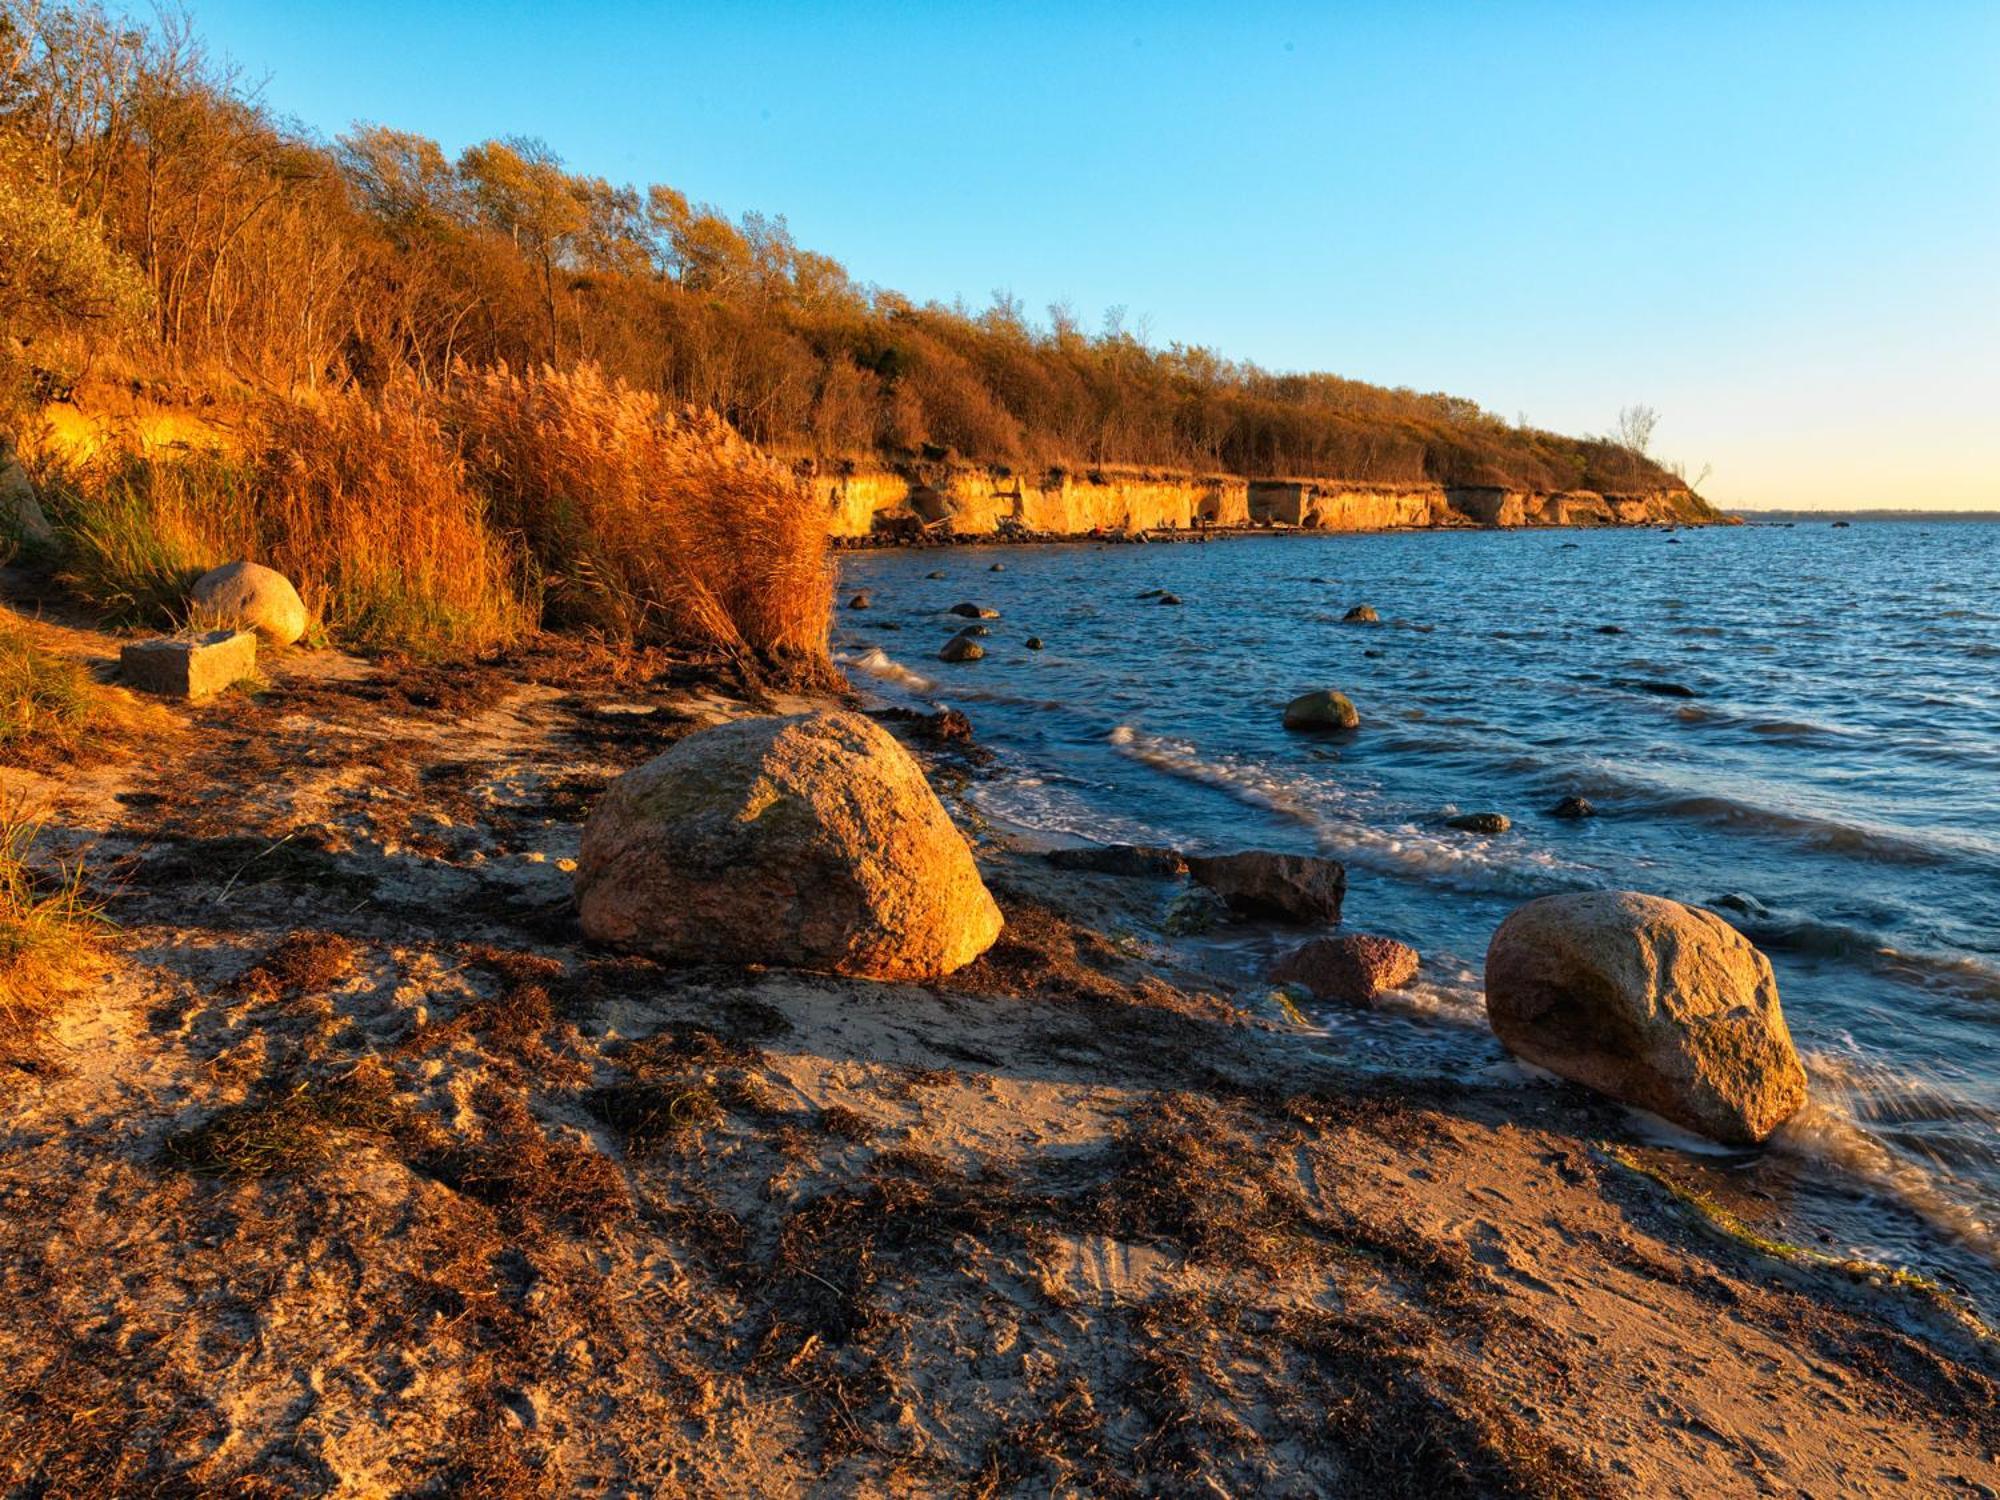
[192, 667]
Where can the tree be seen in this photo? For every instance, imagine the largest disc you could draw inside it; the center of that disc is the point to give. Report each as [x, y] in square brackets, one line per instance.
[519, 189]
[1635, 428]
[56, 269]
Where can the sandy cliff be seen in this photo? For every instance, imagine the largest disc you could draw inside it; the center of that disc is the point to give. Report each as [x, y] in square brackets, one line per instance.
[987, 502]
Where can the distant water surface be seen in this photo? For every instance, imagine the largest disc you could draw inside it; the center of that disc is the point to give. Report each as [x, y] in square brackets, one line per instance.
[1832, 785]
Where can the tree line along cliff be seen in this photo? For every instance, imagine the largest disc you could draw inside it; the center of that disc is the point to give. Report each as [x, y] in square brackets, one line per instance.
[163, 221]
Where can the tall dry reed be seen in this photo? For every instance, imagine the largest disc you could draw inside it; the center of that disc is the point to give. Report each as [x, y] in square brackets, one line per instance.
[360, 500]
[646, 523]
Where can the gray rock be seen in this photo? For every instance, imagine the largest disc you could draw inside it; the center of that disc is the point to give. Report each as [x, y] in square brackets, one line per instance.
[1121, 859]
[1291, 887]
[1321, 711]
[190, 667]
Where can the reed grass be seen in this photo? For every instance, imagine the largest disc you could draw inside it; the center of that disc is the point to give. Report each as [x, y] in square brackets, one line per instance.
[650, 524]
[447, 525]
[48, 933]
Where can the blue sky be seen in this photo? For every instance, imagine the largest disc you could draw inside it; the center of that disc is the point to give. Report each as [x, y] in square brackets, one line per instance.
[1779, 224]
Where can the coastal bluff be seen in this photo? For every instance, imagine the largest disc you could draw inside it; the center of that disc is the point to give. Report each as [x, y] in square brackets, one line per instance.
[966, 500]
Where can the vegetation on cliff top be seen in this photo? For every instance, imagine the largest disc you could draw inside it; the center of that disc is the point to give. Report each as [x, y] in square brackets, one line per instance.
[163, 201]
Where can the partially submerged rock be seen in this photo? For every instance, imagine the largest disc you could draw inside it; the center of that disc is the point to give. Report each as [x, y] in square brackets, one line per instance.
[1353, 969]
[1654, 1003]
[860, 601]
[1121, 859]
[961, 648]
[190, 666]
[1574, 807]
[1300, 888]
[1481, 822]
[1034, 643]
[1361, 614]
[1321, 711]
[811, 841]
[975, 612]
[250, 596]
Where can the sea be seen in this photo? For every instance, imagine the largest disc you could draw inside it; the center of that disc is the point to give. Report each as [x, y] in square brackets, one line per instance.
[1797, 727]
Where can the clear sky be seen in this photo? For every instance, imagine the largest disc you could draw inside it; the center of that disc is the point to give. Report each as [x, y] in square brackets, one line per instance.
[1777, 223]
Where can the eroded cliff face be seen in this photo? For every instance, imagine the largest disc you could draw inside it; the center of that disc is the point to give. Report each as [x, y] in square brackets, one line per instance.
[985, 502]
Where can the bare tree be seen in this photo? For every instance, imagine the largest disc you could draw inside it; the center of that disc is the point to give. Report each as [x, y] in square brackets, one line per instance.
[1635, 428]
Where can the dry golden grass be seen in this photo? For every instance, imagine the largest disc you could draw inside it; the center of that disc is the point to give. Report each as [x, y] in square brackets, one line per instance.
[48, 932]
[363, 503]
[648, 524]
[446, 527]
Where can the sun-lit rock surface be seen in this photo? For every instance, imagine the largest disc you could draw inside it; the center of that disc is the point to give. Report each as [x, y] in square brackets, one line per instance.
[811, 841]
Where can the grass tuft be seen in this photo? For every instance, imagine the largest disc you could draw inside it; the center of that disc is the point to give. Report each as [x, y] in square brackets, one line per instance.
[48, 936]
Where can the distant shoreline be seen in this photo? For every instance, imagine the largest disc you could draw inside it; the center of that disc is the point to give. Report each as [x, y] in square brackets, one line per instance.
[1755, 516]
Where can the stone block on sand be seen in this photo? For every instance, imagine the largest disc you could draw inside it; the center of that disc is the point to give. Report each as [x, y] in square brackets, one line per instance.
[191, 667]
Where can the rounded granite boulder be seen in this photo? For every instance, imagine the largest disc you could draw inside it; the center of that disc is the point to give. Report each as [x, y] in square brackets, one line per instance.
[811, 841]
[1657, 1004]
[249, 596]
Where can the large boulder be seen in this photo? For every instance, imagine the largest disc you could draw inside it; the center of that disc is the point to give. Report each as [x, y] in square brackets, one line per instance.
[811, 841]
[1657, 1004]
[1354, 968]
[250, 596]
[1291, 887]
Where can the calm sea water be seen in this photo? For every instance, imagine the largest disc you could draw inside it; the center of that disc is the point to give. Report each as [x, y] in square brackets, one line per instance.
[1832, 786]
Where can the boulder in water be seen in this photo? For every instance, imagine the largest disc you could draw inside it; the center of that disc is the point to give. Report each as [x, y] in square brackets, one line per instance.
[961, 648]
[249, 596]
[1321, 711]
[974, 612]
[1352, 969]
[973, 632]
[1657, 1004]
[860, 601]
[1481, 822]
[1034, 643]
[1573, 807]
[1361, 614]
[811, 841]
[1170, 598]
[1291, 887]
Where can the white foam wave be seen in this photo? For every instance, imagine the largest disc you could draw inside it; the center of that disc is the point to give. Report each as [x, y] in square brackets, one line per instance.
[1480, 866]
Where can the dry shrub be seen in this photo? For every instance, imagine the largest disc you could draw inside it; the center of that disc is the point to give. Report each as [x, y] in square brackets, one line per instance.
[648, 524]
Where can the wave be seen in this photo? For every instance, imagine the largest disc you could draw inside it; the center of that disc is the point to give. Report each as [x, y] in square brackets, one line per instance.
[1477, 866]
[880, 664]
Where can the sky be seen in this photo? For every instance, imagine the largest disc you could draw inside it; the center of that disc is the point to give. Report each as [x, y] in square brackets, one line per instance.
[1777, 224]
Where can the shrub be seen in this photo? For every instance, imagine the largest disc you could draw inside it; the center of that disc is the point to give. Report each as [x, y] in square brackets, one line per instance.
[647, 524]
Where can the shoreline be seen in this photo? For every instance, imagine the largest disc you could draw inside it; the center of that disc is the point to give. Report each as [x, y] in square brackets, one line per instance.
[1078, 1216]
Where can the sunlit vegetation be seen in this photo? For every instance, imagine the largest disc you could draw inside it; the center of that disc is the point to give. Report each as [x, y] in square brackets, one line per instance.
[467, 397]
[290, 262]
